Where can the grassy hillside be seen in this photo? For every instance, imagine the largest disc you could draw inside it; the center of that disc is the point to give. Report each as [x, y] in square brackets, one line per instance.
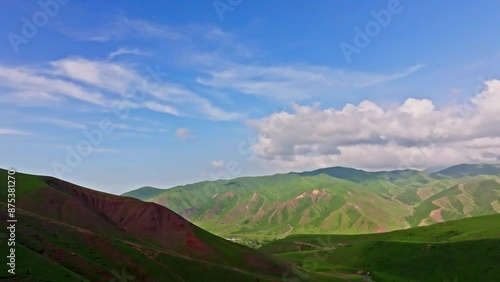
[460, 250]
[70, 233]
[50, 251]
[475, 196]
[331, 200]
[274, 206]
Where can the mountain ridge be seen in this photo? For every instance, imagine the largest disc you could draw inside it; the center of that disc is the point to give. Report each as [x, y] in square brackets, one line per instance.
[269, 207]
[441, 172]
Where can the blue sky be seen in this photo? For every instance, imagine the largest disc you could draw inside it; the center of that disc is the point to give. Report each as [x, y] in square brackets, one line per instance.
[172, 92]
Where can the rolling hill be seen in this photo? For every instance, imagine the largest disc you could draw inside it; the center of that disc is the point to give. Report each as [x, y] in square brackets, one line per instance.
[70, 233]
[145, 192]
[459, 250]
[332, 200]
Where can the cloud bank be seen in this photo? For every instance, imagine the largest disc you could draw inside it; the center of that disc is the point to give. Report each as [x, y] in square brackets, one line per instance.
[415, 134]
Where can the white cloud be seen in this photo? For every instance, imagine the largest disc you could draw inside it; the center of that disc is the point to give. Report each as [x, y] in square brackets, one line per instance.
[95, 149]
[293, 82]
[415, 134]
[218, 163]
[9, 131]
[155, 106]
[60, 122]
[417, 108]
[123, 27]
[124, 80]
[29, 98]
[142, 129]
[110, 76]
[127, 51]
[28, 81]
[183, 133]
[104, 84]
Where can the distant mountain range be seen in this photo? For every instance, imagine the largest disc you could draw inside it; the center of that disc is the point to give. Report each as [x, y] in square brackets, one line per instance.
[335, 200]
[65, 232]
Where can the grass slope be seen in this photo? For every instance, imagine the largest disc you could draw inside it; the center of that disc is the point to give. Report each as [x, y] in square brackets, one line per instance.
[144, 193]
[270, 207]
[460, 250]
[70, 233]
[475, 196]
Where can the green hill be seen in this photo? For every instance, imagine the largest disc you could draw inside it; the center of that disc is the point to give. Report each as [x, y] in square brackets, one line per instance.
[332, 200]
[352, 174]
[460, 250]
[144, 193]
[70, 233]
[274, 206]
[467, 170]
[475, 196]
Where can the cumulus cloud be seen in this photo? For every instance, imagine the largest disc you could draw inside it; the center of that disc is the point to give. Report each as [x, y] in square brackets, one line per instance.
[415, 134]
[218, 163]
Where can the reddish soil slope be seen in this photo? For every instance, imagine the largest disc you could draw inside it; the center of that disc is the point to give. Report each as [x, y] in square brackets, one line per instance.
[100, 214]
